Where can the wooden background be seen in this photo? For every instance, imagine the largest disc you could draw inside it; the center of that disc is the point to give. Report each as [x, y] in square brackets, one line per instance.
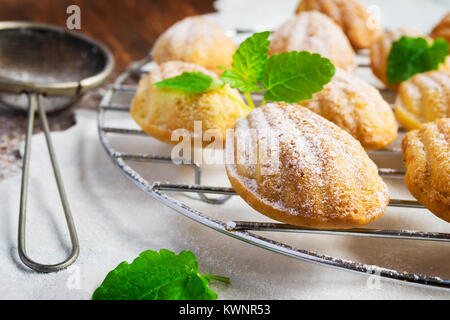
[127, 27]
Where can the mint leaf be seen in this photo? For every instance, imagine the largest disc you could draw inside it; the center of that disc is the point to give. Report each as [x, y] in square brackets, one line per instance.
[249, 62]
[409, 56]
[195, 82]
[295, 76]
[235, 81]
[159, 275]
[289, 77]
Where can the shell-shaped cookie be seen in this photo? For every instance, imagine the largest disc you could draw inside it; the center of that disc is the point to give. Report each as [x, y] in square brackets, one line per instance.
[358, 108]
[195, 40]
[358, 24]
[423, 98]
[442, 29]
[161, 111]
[314, 32]
[295, 166]
[379, 52]
[426, 153]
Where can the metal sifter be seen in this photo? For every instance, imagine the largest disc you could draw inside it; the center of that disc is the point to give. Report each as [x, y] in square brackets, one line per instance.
[45, 68]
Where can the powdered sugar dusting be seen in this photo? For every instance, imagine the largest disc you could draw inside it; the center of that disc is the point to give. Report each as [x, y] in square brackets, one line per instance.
[314, 32]
[188, 30]
[358, 108]
[323, 174]
[197, 40]
[426, 96]
[172, 69]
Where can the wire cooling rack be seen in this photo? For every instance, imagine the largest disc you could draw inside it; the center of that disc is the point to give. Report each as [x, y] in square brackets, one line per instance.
[123, 89]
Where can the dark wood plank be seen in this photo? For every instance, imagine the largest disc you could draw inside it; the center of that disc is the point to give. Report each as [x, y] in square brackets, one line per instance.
[127, 27]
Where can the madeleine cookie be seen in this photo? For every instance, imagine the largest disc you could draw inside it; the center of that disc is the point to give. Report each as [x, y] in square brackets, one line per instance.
[442, 29]
[356, 107]
[426, 153]
[195, 40]
[161, 111]
[295, 166]
[314, 32]
[379, 52]
[423, 98]
[358, 24]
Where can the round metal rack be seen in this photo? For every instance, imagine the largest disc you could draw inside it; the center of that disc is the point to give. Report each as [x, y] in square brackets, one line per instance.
[113, 101]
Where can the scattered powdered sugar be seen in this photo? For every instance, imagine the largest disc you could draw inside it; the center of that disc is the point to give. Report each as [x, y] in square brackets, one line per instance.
[9, 154]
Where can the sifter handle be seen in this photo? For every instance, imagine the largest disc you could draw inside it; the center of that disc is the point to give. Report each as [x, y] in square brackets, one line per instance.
[36, 103]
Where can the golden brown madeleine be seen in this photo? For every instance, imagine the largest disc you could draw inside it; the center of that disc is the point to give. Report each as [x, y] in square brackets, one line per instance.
[315, 175]
[423, 98]
[358, 108]
[426, 153]
[195, 40]
[314, 32]
[379, 52]
[442, 29]
[361, 28]
[161, 111]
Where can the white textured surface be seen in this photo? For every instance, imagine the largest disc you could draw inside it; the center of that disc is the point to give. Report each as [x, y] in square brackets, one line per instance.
[116, 221]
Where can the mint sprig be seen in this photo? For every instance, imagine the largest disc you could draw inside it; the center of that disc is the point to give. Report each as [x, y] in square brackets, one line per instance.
[248, 64]
[159, 275]
[288, 77]
[295, 76]
[409, 56]
[194, 82]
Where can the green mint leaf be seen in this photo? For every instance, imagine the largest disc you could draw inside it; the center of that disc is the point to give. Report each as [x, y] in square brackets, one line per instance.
[248, 64]
[159, 275]
[409, 56]
[235, 81]
[295, 76]
[216, 83]
[195, 82]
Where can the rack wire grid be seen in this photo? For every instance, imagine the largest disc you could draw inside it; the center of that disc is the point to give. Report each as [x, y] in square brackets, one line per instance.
[126, 84]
